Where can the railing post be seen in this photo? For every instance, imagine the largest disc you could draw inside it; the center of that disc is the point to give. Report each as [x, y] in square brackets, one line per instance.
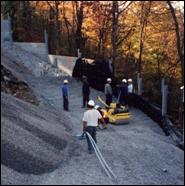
[138, 75]
[164, 100]
[162, 85]
[56, 62]
[182, 88]
[139, 85]
[79, 53]
[110, 65]
[46, 43]
[10, 28]
[182, 113]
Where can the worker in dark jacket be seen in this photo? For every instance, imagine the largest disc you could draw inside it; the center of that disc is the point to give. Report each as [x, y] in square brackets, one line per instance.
[65, 95]
[85, 91]
[108, 91]
[123, 89]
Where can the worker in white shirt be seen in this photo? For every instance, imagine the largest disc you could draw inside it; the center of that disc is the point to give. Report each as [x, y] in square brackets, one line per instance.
[130, 92]
[90, 122]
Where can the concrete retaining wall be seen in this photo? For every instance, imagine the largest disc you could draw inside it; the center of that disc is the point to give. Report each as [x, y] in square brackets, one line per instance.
[6, 34]
[38, 49]
[63, 63]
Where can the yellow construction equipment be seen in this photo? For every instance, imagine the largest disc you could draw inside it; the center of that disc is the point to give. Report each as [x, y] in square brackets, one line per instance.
[115, 113]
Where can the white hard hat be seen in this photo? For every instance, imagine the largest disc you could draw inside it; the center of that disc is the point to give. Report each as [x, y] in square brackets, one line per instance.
[124, 81]
[65, 81]
[97, 106]
[84, 77]
[109, 79]
[130, 80]
[91, 103]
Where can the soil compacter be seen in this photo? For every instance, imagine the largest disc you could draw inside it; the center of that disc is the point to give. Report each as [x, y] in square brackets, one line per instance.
[115, 113]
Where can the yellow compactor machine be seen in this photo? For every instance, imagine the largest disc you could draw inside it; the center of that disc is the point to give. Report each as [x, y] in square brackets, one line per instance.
[115, 113]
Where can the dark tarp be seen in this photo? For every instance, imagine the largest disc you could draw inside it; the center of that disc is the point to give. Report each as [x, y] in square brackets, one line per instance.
[96, 72]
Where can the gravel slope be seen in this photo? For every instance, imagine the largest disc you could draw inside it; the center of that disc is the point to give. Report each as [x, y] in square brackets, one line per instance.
[39, 144]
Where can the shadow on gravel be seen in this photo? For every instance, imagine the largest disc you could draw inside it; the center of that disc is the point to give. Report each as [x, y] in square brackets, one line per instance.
[15, 158]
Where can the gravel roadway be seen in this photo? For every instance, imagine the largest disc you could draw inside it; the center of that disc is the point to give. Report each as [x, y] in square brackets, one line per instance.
[38, 143]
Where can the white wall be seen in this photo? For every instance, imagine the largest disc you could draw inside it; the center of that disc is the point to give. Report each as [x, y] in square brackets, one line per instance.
[64, 63]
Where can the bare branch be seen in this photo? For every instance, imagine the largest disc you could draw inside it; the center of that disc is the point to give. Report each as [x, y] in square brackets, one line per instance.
[125, 37]
[49, 5]
[123, 10]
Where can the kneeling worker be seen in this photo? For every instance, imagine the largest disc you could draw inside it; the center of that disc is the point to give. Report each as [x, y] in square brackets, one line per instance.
[90, 122]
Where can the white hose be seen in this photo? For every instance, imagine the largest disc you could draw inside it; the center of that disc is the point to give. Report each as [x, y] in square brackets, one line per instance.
[101, 159]
[98, 156]
[90, 138]
[103, 165]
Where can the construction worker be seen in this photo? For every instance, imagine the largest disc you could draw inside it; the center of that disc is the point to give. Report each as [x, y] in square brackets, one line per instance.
[123, 93]
[108, 91]
[85, 91]
[103, 126]
[90, 122]
[65, 95]
[130, 92]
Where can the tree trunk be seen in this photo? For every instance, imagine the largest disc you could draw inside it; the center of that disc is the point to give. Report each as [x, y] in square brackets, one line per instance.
[52, 31]
[114, 33]
[141, 38]
[26, 19]
[100, 42]
[178, 41]
[57, 24]
[79, 14]
[145, 10]
[67, 28]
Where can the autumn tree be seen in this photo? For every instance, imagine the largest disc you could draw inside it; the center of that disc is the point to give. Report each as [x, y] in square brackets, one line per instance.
[69, 27]
[145, 10]
[118, 9]
[79, 5]
[101, 14]
[54, 27]
[179, 42]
